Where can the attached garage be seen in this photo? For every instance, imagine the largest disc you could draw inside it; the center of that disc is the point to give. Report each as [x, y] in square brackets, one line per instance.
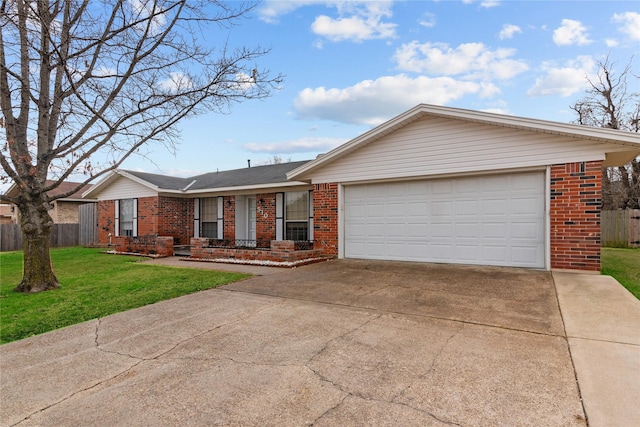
[487, 220]
[447, 185]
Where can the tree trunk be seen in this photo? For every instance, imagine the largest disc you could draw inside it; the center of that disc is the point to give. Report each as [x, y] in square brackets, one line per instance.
[36, 224]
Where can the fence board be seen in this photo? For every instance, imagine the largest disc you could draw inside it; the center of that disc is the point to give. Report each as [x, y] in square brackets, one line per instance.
[620, 229]
[88, 220]
[62, 235]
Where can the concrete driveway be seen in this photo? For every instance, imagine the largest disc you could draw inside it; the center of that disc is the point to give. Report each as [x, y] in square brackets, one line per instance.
[340, 343]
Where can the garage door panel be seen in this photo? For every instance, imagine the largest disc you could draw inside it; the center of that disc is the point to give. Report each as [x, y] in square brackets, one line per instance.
[494, 220]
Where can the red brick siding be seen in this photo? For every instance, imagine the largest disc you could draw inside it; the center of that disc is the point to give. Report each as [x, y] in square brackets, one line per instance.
[174, 218]
[229, 209]
[266, 216]
[325, 218]
[281, 251]
[576, 190]
[106, 220]
[148, 211]
[157, 216]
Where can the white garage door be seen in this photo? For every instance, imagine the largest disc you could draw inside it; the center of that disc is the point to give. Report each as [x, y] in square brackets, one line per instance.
[487, 220]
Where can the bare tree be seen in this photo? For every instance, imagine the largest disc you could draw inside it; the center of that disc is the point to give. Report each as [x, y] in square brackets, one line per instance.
[85, 84]
[609, 103]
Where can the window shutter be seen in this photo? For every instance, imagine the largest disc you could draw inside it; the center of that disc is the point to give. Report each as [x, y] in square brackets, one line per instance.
[117, 217]
[135, 218]
[279, 216]
[310, 214]
[196, 217]
[220, 217]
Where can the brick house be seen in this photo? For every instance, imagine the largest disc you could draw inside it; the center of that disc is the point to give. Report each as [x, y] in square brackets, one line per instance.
[62, 210]
[252, 205]
[434, 184]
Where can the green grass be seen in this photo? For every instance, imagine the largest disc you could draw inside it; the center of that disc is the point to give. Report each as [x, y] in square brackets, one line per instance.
[93, 285]
[624, 266]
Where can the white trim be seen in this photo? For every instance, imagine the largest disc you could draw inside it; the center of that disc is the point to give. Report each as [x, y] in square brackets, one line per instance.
[547, 219]
[134, 232]
[310, 222]
[116, 228]
[196, 217]
[220, 222]
[279, 216]
[340, 221]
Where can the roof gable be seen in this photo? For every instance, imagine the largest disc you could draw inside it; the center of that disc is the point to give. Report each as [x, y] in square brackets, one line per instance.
[438, 140]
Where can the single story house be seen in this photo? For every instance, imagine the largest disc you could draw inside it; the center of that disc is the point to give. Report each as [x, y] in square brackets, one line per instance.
[63, 210]
[250, 206]
[434, 184]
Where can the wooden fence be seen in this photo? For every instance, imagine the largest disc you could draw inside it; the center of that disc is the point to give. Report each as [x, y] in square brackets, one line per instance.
[88, 219]
[62, 235]
[620, 229]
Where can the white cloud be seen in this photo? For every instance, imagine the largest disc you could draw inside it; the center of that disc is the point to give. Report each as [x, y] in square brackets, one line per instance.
[571, 32]
[428, 20]
[485, 3]
[611, 42]
[564, 80]
[272, 10]
[371, 102]
[630, 24]
[471, 60]
[302, 145]
[508, 31]
[357, 22]
[175, 81]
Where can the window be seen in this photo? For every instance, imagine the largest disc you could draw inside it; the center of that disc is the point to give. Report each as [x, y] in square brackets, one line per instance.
[297, 215]
[126, 215]
[209, 217]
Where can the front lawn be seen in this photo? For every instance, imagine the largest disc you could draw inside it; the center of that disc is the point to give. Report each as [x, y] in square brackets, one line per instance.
[624, 266]
[93, 285]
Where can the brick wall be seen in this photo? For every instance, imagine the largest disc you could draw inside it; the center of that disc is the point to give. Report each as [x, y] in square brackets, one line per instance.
[229, 210]
[266, 216]
[174, 218]
[106, 220]
[575, 215]
[281, 251]
[145, 245]
[157, 216]
[148, 211]
[325, 218]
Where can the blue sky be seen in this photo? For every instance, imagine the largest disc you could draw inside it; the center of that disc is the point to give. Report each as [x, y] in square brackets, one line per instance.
[351, 65]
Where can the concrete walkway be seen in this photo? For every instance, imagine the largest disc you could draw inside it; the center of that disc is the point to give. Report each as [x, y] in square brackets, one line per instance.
[344, 343]
[602, 323]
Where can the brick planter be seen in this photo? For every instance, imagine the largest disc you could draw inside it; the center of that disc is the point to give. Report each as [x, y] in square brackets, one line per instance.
[280, 251]
[157, 246]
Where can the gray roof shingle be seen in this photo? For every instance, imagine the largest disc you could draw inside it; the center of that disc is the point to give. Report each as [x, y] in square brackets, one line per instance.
[256, 175]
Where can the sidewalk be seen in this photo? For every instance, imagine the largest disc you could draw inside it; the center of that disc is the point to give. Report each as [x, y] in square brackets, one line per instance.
[602, 323]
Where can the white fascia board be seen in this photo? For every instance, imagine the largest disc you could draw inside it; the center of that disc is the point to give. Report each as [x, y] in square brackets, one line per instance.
[611, 136]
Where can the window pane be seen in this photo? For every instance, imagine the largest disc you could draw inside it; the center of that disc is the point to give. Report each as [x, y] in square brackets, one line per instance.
[210, 229]
[209, 209]
[297, 231]
[126, 217]
[297, 206]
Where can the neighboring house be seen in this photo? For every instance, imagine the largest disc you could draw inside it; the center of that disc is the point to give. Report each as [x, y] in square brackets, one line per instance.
[435, 184]
[253, 204]
[64, 210]
[6, 214]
